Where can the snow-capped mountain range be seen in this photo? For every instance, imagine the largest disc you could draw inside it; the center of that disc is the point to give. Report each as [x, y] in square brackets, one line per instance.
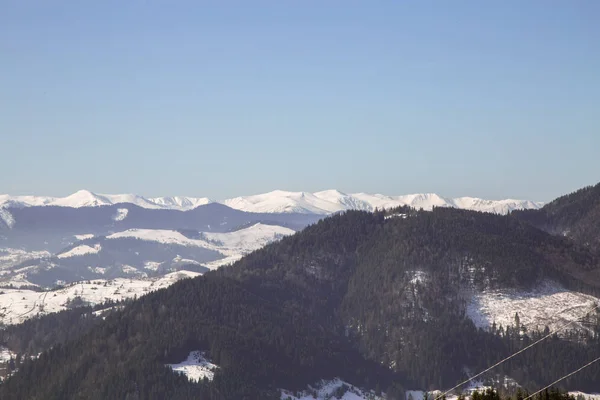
[278, 201]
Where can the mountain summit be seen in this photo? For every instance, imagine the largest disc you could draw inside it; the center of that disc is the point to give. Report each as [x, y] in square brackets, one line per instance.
[278, 201]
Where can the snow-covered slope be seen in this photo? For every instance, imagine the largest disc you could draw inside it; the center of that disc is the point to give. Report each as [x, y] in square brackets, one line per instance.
[278, 201]
[335, 389]
[233, 245]
[330, 201]
[549, 304]
[18, 305]
[6, 217]
[80, 251]
[84, 198]
[196, 367]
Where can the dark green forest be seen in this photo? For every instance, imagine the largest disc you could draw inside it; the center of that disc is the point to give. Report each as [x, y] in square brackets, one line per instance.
[338, 299]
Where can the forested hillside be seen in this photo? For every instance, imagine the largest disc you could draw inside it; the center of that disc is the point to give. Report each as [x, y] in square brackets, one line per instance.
[378, 299]
[575, 215]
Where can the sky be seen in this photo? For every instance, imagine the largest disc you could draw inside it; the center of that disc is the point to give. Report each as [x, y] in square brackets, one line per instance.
[494, 99]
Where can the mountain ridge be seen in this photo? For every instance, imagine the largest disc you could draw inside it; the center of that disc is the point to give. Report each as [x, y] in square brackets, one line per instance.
[277, 201]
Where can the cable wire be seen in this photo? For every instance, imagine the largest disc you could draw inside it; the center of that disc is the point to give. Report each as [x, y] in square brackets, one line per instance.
[515, 354]
[564, 377]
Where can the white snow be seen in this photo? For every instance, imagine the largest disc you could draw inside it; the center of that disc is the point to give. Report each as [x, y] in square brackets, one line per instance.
[152, 265]
[17, 281]
[10, 257]
[85, 198]
[18, 305]
[196, 367]
[7, 217]
[179, 202]
[246, 240]
[396, 215]
[231, 244]
[223, 261]
[157, 235]
[418, 277]
[84, 236]
[280, 201]
[180, 260]
[6, 354]
[128, 269]
[587, 396]
[549, 304]
[98, 270]
[326, 390]
[121, 214]
[277, 201]
[80, 251]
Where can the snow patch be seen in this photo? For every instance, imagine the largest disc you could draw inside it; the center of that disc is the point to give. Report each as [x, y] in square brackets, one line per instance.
[549, 304]
[121, 214]
[98, 270]
[279, 201]
[152, 265]
[128, 269]
[335, 389]
[235, 243]
[81, 250]
[418, 277]
[10, 257]
[7, 217]
[18, 305]
[396, 215]
[84, 236]
[586, 396]
[179, 260]
[85, 198]
[196, 367]
[17, 281]
[6, 354]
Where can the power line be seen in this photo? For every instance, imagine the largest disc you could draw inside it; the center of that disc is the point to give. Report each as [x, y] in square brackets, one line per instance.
[515, 354]
[564, 377]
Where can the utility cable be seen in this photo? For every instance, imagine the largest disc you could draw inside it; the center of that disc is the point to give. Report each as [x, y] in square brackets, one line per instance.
[564, 377]
[515, 354]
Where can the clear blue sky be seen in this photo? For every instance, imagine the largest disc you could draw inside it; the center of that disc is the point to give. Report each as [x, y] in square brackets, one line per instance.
[485, 98]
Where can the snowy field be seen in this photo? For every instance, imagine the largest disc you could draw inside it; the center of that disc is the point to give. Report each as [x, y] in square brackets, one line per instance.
[196, 367]
[329, 390]
[587, 396]
[233, 245]
[10, 257]
[6, 354]
[80, 251]
[547, 305]
[19, 305]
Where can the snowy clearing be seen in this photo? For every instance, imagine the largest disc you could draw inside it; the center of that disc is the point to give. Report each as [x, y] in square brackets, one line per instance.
[6, 354]
[84, 236]
[195, 367]
[235, 243]
[152, 265]
[80, 251]
[587, 396]
[335, 389]
[549, 304]
[10, 257]
[121, 214]
[7, 217]
[18, 305]
[17, 281]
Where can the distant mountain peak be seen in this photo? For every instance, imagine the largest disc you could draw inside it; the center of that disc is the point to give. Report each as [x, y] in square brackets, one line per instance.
[278, 201]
